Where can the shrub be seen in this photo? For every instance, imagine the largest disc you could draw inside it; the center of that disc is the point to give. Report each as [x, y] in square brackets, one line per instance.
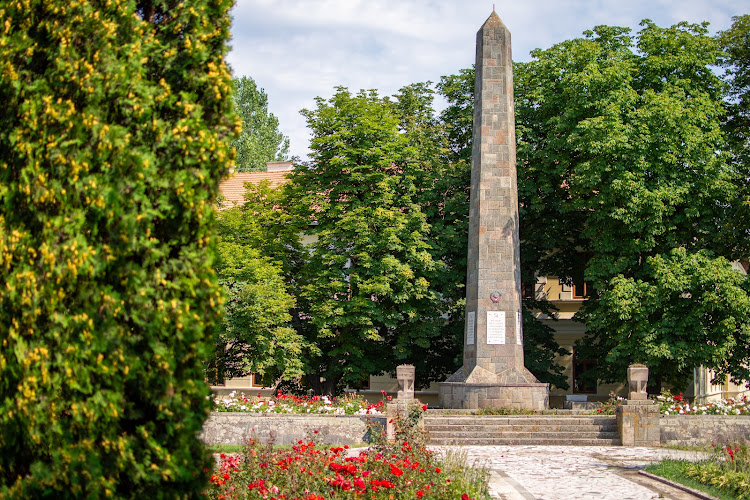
[113, 135]
[729, 470]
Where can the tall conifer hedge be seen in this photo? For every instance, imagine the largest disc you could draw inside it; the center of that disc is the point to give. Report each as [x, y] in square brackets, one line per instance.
[114, 121]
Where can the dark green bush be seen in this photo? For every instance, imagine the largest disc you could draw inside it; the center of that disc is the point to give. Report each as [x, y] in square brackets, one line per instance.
[113, 130]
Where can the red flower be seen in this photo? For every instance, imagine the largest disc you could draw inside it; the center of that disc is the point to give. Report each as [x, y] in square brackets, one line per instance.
[396, 471]
[438, 470]
[420, 493]
[424, 407]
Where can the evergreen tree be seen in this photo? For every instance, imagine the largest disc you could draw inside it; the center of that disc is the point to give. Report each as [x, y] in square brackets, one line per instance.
[113, 136]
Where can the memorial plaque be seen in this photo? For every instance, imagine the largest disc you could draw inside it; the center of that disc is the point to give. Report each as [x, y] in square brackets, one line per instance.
[495, 327]
[470, 327]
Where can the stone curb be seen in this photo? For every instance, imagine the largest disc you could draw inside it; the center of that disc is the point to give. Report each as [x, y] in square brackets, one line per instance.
[686, 489]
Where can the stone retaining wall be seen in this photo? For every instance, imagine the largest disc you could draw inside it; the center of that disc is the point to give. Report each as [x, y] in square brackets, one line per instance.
[703, 430]
[286, 429]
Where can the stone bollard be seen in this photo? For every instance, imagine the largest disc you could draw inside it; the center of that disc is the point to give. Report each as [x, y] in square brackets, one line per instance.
[637, 382]
[399, 410]
[405, 375]
[638, 417]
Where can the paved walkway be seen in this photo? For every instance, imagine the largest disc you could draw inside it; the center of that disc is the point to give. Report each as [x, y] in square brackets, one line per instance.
[572, 472]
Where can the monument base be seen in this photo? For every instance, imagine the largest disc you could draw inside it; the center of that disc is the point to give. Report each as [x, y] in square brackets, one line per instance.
[480, 388]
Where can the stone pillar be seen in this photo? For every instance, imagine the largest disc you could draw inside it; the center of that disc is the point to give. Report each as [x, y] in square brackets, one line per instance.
[638, 417]
[638, 423]
[493, 372]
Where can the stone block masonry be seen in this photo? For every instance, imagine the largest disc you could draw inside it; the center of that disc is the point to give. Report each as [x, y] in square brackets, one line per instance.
[287, 429]
[704, 430]
[638, 423]
[493, 372]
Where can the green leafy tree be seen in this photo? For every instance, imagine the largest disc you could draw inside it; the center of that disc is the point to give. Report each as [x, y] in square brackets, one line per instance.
[260, 140]
[366, 283]
[458, 116]
[623, 187]
[256, 335]
[736, 61]
[259, 250]
[443, 195]
[113, 136]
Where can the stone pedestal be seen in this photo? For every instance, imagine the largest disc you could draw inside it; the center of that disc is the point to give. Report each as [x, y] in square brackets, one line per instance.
[638, 423]
[494, 395]
[493, 372]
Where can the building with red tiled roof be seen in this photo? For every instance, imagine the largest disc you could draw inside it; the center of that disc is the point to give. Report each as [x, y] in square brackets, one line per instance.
[233, 190]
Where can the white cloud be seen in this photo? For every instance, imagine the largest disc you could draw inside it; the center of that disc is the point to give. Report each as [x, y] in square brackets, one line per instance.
[298, 50]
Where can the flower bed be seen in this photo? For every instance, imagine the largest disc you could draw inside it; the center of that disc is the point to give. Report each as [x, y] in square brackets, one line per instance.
[677, 405]
[350, 404]
[310, 471]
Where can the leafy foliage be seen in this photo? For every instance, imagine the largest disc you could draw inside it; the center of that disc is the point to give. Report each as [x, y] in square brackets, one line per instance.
[443, 194]
[620, 157]
[736, 61]
[260, 140]
[113, 128]
[366, 286]
[256, 334]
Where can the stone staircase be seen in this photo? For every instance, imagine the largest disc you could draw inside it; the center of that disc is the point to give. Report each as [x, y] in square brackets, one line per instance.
[554, 430]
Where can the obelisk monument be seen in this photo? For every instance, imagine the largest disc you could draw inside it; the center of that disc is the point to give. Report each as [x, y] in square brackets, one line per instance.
[493, 373]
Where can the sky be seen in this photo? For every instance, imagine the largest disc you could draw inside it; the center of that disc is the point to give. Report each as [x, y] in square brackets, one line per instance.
[297, 50]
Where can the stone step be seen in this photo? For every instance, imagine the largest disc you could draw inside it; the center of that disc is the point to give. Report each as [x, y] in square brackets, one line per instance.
[555, 430]
[523, 434]
[520, 419]
[521, 428]
[518, 441]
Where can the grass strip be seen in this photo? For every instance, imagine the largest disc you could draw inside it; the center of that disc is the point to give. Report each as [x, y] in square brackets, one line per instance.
[674, 470]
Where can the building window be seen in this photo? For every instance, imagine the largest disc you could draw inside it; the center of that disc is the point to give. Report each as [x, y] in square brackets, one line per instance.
[528, 291]
[581, 366]
[362, 385]
[580, 290]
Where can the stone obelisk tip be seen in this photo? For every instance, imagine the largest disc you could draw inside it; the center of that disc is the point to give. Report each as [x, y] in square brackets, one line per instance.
[493, 21]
